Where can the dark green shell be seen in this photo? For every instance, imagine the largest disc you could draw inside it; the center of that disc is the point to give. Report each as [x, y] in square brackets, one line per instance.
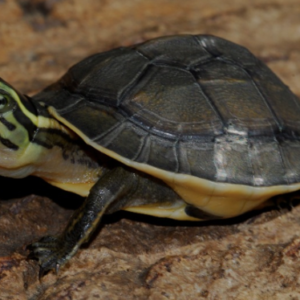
[196, 105]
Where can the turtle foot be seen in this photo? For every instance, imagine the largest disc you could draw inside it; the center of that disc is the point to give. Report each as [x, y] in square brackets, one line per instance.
[51, 252]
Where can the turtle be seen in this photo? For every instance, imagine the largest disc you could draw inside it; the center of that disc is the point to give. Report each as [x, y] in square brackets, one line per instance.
[187, 127]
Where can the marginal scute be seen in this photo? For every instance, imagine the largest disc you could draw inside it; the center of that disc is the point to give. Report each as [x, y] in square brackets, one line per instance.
[290, 154]
[267, 163]
[197, 159]
[117, 138]
[232, 160]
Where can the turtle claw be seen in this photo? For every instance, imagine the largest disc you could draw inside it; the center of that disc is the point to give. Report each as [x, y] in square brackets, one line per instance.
[41, 273]
[51, 252]
[57, 268]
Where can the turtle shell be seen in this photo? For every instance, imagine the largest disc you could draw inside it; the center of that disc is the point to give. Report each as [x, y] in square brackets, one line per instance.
[193, 105]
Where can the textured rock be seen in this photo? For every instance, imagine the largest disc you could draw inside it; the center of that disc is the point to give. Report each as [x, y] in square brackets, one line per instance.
[133, 256]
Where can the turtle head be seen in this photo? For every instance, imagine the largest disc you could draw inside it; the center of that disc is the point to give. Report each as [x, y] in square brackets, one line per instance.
[18, 122]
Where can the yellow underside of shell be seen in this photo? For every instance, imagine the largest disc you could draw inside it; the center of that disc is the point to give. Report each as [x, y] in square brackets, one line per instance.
[81, 189]
[220, 199]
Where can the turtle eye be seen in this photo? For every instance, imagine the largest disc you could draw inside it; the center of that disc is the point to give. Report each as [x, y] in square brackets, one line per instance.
[6, 102]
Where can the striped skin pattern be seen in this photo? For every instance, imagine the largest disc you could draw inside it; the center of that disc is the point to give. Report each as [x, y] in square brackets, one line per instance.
[33, 143]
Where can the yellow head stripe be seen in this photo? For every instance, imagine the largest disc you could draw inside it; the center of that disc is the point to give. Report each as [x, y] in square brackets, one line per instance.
[26, 112]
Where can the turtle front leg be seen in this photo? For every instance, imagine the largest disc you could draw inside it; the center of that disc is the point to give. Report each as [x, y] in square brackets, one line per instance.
[52, 252]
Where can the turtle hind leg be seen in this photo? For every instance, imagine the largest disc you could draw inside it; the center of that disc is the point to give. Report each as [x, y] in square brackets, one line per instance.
[54, 251]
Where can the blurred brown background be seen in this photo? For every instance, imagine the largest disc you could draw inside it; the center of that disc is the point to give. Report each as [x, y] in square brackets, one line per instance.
[255, 257]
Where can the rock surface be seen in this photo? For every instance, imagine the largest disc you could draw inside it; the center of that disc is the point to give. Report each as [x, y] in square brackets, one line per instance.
[133, 256]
